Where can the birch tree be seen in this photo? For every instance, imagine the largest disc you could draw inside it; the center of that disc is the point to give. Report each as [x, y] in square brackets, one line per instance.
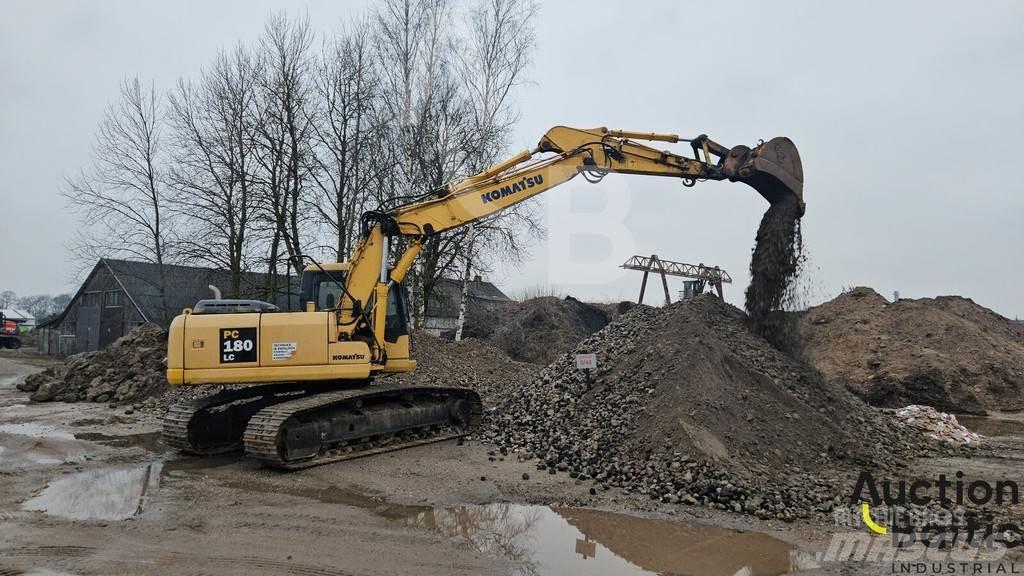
[414, 48]
[494, 58]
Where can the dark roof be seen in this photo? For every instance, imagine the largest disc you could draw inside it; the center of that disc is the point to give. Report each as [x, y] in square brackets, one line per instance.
[446, 297]
[185, 285]
[478, 290]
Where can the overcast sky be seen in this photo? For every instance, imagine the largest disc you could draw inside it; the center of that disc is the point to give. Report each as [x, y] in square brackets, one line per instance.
[908, 117]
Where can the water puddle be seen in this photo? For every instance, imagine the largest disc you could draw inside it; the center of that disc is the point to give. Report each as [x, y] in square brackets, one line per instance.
[34, 444]
[51, 455]
[149, 441]
[105, 494]
[190, 466]
[992, 426]
[544, 541]
[36, 431]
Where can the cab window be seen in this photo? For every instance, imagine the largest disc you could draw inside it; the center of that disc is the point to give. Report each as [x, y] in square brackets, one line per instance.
[396, 322]
[328, 296]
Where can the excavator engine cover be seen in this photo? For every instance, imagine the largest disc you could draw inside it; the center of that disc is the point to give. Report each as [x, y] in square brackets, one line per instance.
[772, 168]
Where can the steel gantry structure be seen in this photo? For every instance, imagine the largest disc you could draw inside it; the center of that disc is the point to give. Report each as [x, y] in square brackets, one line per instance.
[700, 274]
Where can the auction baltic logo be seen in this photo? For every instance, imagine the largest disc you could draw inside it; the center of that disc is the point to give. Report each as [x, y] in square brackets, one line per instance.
[931, 532]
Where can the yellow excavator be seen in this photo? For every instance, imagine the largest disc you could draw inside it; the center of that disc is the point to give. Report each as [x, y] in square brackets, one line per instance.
[309, 396]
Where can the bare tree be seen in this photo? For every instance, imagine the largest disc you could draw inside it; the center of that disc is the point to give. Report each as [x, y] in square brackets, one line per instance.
[429, 118]
[441, 157]
[60, 302]
[7, 298]
[215, 171]
[276, 149]
[284, 139]
[121, 198]
[349, 136]
[41, 306]
[492, 61]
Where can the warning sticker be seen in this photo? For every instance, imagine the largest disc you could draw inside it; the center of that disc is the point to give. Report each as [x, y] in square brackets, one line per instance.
[283, 350]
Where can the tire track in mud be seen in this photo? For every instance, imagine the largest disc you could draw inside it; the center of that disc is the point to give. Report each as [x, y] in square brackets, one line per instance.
[241, 565]
[48, 551]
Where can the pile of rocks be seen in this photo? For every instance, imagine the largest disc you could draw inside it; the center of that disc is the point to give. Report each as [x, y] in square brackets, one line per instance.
[688, 405]
[470, 363]
[936, 425]
[129, 370]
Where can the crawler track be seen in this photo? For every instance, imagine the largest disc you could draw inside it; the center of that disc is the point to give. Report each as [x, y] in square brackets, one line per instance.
[214, 425]
[345, 424]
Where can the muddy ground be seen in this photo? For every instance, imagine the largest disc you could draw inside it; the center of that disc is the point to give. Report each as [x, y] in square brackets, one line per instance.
[86, 489]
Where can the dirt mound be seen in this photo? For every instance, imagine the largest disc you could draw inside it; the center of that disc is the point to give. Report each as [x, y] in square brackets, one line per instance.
[945, 352]
[470, 363]
[131, 368]
[688, 405]
[538, 330]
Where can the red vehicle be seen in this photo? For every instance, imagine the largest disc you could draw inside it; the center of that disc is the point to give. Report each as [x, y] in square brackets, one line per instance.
[9, 334]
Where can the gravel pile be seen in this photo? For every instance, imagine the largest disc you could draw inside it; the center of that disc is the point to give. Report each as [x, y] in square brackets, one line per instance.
[130, 369]
[471, 363]
[946, 352]
[936, 425]
[688, 405]
[537, 330]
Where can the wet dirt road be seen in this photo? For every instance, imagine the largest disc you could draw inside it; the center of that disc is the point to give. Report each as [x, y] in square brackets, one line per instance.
[88, 490]
[85, 489]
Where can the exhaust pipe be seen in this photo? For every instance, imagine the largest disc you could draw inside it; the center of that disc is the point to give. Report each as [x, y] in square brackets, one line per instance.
[772, 168]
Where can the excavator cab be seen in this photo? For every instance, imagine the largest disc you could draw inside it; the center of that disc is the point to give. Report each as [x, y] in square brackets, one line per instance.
[323, 286]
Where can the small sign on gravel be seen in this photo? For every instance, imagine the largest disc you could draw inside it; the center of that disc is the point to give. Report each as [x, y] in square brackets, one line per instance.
[586, 361]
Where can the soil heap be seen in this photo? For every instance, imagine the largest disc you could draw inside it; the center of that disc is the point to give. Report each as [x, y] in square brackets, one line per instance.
[537, 330]
[471, 363]
[688, 405]
[945, 352]
[773, 267]
[131, 368]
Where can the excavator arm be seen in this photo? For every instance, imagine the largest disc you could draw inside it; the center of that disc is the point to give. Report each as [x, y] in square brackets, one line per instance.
[773, 169]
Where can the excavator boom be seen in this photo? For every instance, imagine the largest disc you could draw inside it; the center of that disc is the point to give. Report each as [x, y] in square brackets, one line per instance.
[772, 168]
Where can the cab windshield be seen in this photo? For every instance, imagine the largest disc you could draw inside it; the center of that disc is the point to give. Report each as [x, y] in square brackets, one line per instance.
[322, 290]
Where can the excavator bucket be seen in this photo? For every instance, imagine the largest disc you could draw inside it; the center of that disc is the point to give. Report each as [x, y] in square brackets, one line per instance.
[772, 168]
